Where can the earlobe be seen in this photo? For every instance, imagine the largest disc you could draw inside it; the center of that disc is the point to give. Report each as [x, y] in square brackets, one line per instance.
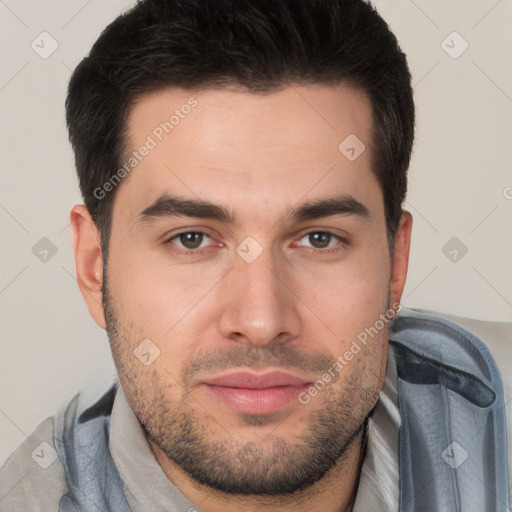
[88, 261]
[400, 261]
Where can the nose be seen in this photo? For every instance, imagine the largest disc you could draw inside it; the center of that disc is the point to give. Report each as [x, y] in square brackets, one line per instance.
[259, 306]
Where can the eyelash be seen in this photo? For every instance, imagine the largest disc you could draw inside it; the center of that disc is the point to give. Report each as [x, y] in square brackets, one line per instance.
[343, 242]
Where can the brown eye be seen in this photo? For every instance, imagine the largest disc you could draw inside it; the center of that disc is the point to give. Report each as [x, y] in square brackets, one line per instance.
[189, 240]
[320, 239]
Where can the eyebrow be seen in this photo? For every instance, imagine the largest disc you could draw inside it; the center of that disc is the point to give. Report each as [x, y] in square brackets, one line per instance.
[168, 206]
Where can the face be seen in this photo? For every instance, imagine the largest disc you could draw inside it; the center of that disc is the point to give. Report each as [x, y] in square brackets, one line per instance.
[247, 257]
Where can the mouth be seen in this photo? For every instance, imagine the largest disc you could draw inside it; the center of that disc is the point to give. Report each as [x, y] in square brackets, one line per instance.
[256, 393]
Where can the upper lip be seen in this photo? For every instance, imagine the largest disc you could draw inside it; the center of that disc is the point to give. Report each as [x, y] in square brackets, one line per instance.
[251, 380]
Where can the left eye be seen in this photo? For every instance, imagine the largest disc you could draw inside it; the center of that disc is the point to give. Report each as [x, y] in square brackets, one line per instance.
[320, 239]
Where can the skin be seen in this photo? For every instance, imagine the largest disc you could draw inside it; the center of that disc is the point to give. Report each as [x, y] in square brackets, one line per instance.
[298, 306]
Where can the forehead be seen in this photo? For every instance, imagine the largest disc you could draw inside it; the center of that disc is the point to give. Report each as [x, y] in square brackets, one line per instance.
[300, 116]
[248, 150]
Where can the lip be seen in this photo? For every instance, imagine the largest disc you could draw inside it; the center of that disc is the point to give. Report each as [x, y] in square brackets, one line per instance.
[251, 380]
[256, 393]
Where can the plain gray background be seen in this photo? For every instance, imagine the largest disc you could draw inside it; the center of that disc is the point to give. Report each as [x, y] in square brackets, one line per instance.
[460, 186]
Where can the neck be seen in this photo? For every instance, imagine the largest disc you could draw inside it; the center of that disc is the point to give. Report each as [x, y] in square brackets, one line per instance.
[334, 492]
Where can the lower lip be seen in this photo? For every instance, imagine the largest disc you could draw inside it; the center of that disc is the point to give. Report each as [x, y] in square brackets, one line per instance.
[257, 401]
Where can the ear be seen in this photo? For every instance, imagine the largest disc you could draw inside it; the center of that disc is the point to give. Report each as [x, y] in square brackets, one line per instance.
[400, 261]
[88, 260]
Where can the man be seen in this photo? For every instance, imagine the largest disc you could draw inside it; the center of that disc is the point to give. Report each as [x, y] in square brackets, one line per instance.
[243, 167]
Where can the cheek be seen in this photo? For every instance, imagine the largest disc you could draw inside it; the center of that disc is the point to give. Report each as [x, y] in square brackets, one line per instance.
[348, 296]
[160, 302]
[152, 293]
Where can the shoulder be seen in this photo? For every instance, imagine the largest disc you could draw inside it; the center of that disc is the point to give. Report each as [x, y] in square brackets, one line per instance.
[497, 336]
[33, 478]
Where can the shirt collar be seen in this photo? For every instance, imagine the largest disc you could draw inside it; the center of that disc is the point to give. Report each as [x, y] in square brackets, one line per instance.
[379, 480]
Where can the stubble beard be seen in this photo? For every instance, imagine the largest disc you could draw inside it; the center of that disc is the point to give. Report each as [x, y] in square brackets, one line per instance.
[203, 449]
